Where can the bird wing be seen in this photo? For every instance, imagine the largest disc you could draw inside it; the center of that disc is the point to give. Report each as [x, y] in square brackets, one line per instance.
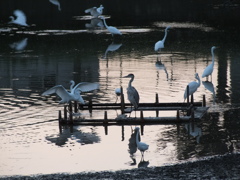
[59, 90]
[114, 30]
[208, 70]
[86, 86]
[133, 96]
[21, 17]
[158, 45]
[193, 86]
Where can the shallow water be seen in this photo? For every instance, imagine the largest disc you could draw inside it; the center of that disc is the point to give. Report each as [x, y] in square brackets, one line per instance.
[31, 139]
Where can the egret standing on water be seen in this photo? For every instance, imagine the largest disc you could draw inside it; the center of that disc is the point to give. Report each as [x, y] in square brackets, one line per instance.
[20, 18]
[209, 69]
[140, 145]
[111, 29]
[193, 86]
[132, 93]
[74, 94]
[160, 44]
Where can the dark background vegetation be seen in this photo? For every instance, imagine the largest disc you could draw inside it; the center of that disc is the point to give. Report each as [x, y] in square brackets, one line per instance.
[218, 13]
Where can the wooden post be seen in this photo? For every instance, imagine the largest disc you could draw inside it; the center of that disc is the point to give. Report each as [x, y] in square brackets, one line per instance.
[75, 106]
[65, 113]
[106, 129]
[192, 101]
[141, 116]
[156, 98]
[90, 106]
[157, 101]
[70, 113]
[105, 118]
[178, 115]
[59, 116]
[122, 101]
[187, 95]
[192, 114]
[204, 101]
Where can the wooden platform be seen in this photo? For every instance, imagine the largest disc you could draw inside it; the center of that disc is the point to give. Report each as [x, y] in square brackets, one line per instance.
[185, 112]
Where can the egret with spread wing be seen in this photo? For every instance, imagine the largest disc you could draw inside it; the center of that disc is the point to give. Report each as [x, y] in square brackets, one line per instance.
[74, 94]
[20, 18]
[94, 11]
[193, 86]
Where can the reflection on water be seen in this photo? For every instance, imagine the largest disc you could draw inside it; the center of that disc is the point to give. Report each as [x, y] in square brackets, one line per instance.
[29, 128]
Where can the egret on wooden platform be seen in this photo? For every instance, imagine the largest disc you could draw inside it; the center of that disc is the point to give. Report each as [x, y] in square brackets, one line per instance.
[74, 94]
[140, 145]
[111, 29]
[57, 3]
[193, 86]
[20, 18]
[132, 93]
[209, 69]
[160, 44]
[94, 11]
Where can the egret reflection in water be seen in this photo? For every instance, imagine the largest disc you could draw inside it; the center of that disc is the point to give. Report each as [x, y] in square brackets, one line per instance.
[160, 66]
[94, 11]
[112, 47]
[209, 86]
[71, 133]
[94, 23]
[19, 45]
[194, 131]
[56, 3]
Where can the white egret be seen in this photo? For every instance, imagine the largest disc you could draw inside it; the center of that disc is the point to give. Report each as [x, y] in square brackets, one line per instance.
[74, 95]
[57, 3]
[140, 145]
[19, 45]
[193, 86]
[209, 69]
[132, 93]
[111, 29]
[20, 18]
[118, 93]
[160, 44]
[95, 23]
[94, 11]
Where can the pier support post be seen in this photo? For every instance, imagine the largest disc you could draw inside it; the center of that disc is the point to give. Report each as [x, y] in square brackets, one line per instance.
[70, 113]
[90, 106]
[75, 106]
[59, 115]
[65, 113]
[192, 99]
[192, 114]
[156, 102]
[122, 101]
[204, 101]
[178, 117]
[105, 118]
[141, 116]
[187, 95]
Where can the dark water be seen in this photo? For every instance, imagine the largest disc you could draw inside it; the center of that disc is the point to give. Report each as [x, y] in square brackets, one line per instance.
[31, 142]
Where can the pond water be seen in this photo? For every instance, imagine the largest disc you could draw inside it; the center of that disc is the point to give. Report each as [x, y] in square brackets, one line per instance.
[31, 141]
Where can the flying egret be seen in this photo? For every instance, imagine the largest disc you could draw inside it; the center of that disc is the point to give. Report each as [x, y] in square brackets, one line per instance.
[20, 18]
[140, 145]
[160, 44]
[57, 3]
[111, 29]
[193, 86]
[132, 93]
[118, 93]
[209, 69]
[74, 94]
[94, 11]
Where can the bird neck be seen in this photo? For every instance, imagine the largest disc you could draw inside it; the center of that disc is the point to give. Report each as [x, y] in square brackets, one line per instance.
[212, 52]
[71, 87]
[137, 139]
[165, 36]
[104, 21]
[130, 82]
[199, 81]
